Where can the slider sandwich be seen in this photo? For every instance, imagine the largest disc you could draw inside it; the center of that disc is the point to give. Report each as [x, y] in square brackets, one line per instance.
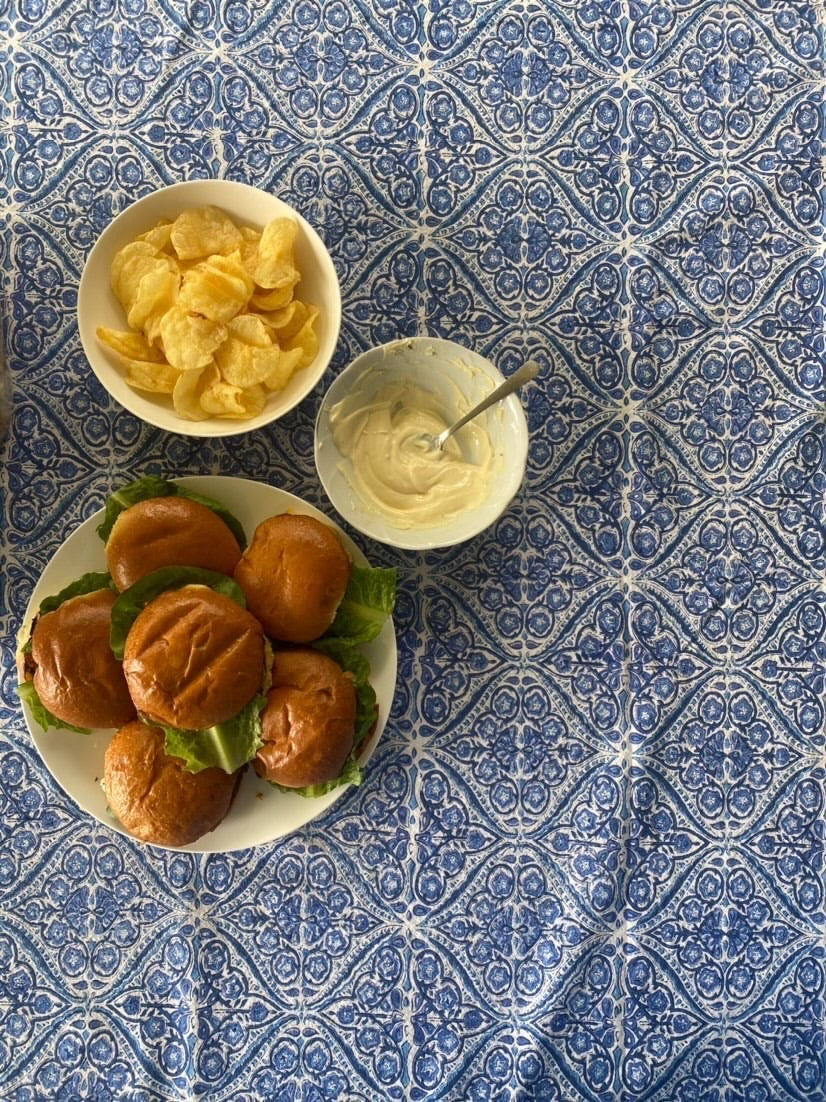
[68, 674]
[195, 663]
[153, 794]
[152, 523]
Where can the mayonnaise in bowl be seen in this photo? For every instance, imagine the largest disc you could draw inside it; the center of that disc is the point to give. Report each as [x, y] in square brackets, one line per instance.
[392, 467]
[379, 472]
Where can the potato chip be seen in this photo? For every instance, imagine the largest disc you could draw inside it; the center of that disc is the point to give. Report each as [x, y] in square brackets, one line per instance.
[306, 339]
[212, 314]
[283, 370]
[218, 288]
[186, 395]
[276, 260]
[245, 365]
[160, 236]
[133, 346]
[189, 341]
[250, 328]
[157, 378]
[287, 322]
[249, 249]
[234, 361]
[204, 231]
[273, 300]
[152, 327]
[131, 264]
[224, 400]
[155, 294]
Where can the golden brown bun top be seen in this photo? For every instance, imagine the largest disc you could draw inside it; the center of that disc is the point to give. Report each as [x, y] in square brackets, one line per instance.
[154, 796]
[193, 658]
[309, 720]
[294, 574]
[76, 675]
[168, 531]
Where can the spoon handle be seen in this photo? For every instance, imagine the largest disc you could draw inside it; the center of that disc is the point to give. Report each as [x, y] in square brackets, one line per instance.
[526, 372]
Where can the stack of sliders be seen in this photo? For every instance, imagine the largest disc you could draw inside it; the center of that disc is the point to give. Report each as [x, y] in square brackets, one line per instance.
[205, 654]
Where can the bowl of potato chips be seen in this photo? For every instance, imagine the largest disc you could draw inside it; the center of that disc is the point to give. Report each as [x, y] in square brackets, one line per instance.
[209, 308]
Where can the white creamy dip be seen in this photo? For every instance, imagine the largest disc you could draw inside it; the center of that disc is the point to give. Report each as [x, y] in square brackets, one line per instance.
[394, 472]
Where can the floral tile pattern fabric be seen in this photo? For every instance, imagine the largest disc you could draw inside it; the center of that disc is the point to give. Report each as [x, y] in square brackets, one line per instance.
[587, 863]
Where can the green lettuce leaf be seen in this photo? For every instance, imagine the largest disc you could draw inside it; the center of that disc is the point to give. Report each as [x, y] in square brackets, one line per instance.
[231, 521]
[367, 602]
[86, 583]
[126, 608]
[40, 713]
[152, 486]
[351, 659]
[129, 495]
[352, 773]
[226, 746]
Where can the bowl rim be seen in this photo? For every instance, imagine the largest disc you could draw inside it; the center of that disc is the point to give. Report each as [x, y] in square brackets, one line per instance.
[119, 230]
[429, 540]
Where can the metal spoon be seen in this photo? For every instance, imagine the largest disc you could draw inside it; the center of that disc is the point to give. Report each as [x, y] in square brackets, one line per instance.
[524, 375]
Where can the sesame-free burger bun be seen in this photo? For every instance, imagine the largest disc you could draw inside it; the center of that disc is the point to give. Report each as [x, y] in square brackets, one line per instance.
[193, 658]
[76, 675]
[294, 574]
[308, 722]
[154, 796]
[168, 531]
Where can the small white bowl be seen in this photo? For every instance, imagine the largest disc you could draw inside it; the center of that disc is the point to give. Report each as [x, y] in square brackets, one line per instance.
[441, 367]
[97, 305]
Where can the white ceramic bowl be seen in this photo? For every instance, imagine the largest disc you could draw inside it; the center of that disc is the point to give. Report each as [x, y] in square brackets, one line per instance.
[441, 367]
[97, 305]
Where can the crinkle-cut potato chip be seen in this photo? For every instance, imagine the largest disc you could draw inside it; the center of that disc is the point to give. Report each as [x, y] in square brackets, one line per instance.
[133, 346]
[190, 385]
[213, 318]
[219, 288]
[204, 231]
[276, 260]
[156, 378]
[222, 399]
[189, 341]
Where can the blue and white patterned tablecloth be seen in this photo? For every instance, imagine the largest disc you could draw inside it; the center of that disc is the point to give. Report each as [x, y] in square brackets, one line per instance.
[587, 863]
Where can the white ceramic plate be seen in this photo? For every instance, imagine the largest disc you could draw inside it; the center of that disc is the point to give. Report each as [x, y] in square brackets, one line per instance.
[97, 305]
[260, 812]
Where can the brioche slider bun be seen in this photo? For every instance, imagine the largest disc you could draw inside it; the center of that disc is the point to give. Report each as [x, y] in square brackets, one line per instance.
[168, 531]
[76, 675]
[308, 723]
[294, 574]
[193, 658]
[154, 796]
